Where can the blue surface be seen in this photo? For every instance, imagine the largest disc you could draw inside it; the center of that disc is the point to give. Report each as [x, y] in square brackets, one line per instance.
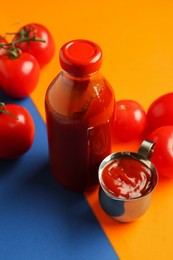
[38, 218]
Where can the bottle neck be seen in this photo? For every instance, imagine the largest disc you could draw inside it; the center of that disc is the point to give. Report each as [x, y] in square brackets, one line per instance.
[79, 77]
[79, 81]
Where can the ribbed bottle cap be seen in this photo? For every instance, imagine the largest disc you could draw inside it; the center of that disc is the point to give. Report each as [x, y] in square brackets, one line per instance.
[80, 57]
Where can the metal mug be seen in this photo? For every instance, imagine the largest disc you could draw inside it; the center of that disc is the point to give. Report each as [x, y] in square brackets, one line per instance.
[127, 210]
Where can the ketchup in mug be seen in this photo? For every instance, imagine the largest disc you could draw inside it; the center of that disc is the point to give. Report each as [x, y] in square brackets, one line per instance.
[79, 106]
[127, 178]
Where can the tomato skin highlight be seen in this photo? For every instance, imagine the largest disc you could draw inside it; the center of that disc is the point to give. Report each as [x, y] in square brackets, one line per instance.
[162, 157]
[42, 51]
[160, 112]
[19, 77]
[17, 131]
[130, 120]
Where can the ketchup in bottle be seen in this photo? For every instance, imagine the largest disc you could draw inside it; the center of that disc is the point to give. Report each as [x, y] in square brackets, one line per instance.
[79, 106]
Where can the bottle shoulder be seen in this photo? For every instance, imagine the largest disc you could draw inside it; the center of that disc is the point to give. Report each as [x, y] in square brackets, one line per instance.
[73, 96]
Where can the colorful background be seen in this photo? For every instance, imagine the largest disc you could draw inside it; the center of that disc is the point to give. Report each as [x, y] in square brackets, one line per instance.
[39, 219]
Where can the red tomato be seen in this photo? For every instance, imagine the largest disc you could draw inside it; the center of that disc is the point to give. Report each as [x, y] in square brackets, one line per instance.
[42, 51]
[129, 121]
[163, 152]
[160, 112]
[19, 76]
[17, 131]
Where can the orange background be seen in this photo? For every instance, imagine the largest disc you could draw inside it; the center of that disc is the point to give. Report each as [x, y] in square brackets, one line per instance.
[137, 42]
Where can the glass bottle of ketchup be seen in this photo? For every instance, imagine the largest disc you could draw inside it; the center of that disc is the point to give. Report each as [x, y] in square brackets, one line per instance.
[79, 106]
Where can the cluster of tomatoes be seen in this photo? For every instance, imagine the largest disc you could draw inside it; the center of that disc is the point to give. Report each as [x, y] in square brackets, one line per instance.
[21, 60]
[156, 125]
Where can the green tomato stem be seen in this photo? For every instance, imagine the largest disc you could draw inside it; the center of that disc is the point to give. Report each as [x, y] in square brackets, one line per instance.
[2, 110]
[10, 48]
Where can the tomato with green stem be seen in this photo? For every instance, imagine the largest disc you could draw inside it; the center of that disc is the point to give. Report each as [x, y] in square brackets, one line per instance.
[37, 40]
[17, 131]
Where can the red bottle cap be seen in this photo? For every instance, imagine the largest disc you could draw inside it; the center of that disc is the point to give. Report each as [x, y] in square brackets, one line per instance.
[80, 57]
